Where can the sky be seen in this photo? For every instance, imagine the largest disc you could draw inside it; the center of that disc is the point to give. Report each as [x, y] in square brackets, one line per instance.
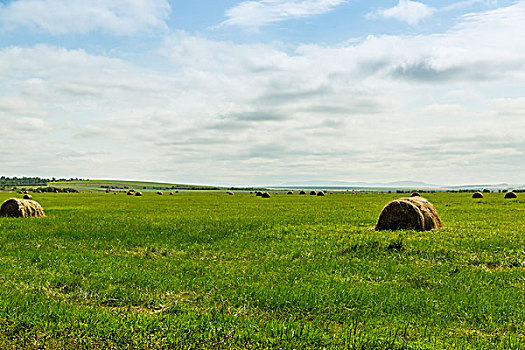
[263, 92]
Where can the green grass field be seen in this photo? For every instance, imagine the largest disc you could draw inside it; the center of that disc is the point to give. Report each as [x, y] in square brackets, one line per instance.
[208, 270]
[101, 185]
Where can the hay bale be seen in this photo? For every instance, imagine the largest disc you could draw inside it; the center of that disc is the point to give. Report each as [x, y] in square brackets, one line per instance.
[414, 213]
[290, 192]
[313, 193]
[258, 194]
[302, 192]
[477, 195]
[415, 194]
[230, 193]
[160, 193]
[511, 195]
[320, 193]
[21, 208]
[28, 196]
[138, 194]
[130, 193]
[171, 193]
[265, 195]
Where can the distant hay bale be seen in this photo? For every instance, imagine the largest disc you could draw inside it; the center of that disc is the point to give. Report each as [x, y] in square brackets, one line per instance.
[230, 193]
[21, 208]
[290, 192]
[171, 193]
[313, 193]
[414, 213]
[477, 195]
[28, 196]
[258, 194]
[415, 194]
[320, 193]
[511, 195]
[302, 192]
[160, 193]
[265, 195]
[138, 194]
[130, 193]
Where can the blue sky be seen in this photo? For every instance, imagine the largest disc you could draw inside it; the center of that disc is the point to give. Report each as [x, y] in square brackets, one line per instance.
[263, 91]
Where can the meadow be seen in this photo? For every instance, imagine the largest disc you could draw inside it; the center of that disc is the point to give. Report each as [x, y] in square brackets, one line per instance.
[208, 270]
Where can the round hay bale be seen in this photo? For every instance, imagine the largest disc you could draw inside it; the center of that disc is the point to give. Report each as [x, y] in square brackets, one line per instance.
[130, 193]
[138, 194]
[171, 193]
[313, 193]
[21, 208]
[265, 195]
[320, 193]
[477, 195]
[230, 193]
[258, 194]
[414, 213]
[290, 192]
[28, 196]
[302, 192]
[511, 195]
[160, 193]
[415, 194]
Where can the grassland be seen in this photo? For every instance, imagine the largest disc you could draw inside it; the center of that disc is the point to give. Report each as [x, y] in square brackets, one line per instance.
[208, 270]
[101, 185]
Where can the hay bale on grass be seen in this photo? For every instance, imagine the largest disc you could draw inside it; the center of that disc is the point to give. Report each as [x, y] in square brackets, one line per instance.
[414, 213]
[230, 193]
[130, 193]
[138, 194]
[171, 193]
[320, 193]
[21, 208]
[28, 196]
[477, 195]
[302, 192]
[313, 193]
[258, 194]
[265, 195]
[415, 194]
[290, 192]
[160, 193]
[511, 195]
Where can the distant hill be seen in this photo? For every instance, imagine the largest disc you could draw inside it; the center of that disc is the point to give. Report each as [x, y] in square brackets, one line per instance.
[397, 184]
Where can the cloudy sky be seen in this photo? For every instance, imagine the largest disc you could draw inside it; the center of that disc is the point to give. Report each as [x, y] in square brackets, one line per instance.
[263, 91]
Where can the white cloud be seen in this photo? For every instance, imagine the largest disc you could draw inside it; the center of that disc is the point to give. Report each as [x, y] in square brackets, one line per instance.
[411, 12]
[264, 12]
[441, 108]
[120, 17]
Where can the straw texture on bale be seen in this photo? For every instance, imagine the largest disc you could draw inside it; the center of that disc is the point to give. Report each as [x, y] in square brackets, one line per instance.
[414, 213]
[28, 196]
[320, 193]
[302, 192]
[265, 195]
[21, 208]
[511, 195]
[415, 194]
[477, 195]
[313, 193]
[138, 194]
